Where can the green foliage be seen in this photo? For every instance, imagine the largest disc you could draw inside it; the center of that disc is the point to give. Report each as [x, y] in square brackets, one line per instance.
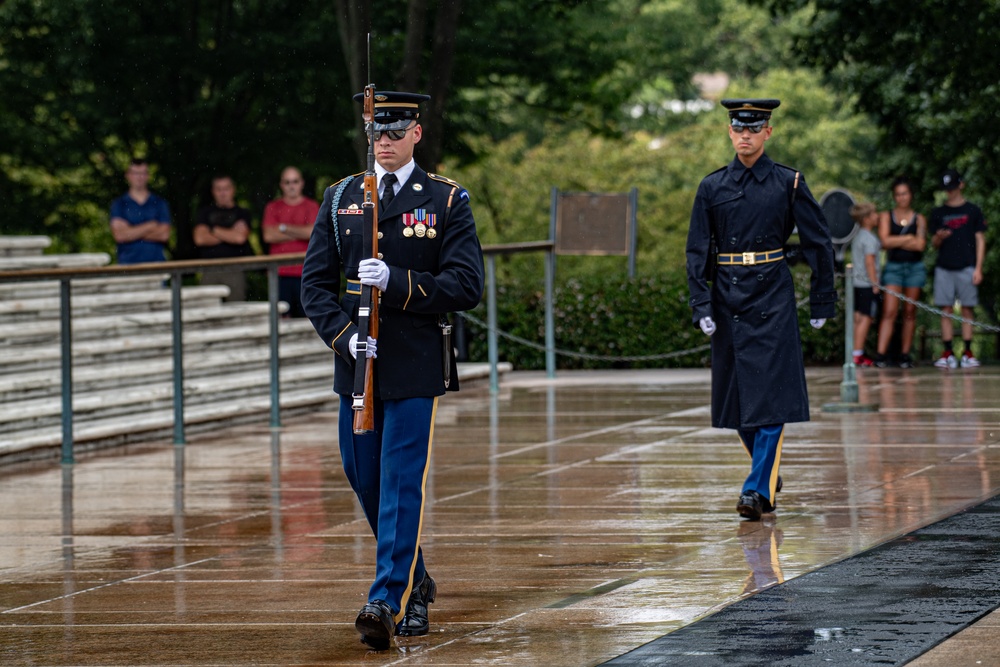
[925, 71]
[613, 316]
[511, 184]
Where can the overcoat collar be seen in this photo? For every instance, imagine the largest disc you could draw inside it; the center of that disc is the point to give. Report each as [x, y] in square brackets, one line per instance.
[760, 169]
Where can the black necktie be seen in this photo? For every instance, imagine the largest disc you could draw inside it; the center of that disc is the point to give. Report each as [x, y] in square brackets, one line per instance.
[388, 181]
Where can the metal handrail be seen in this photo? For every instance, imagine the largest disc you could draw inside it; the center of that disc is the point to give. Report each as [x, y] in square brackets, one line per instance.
[176, 269]
[548, 247]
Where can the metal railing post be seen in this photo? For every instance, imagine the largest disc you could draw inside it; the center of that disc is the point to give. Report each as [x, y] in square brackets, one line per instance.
[550, 326]
[66, 354]
[550, 279]
[176, 325]
[272, 298]
[491, 321]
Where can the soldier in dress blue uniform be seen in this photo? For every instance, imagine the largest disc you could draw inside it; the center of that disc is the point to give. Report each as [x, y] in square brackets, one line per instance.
[430, 263]
[743, 296]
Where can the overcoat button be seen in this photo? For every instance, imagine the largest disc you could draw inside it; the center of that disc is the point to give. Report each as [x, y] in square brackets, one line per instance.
[763, 315]
[735, 280]
[380, 234]
[732, 240]
[760, 277]
[736, 318]
[760, 239]
[380, 255]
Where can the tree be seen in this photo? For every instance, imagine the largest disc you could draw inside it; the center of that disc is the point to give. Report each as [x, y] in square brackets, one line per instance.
[924, 70]
[195, 88]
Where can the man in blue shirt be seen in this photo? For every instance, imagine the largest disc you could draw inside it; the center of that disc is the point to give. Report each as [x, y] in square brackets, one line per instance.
[140, 220]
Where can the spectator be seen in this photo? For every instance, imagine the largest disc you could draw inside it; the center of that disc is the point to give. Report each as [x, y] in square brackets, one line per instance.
[140, 220]
[958, 232]
[287, 225]
[902, 232]
[222, 229]
[864, 253]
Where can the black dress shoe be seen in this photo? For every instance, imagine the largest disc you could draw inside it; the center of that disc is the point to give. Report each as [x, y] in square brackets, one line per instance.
[778, 485]
[752, 505]
[375, 624]
[414, 623]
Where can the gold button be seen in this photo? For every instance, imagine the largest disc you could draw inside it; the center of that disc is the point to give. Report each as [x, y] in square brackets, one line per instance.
[380, 255]
[380, 234]
[347, 232]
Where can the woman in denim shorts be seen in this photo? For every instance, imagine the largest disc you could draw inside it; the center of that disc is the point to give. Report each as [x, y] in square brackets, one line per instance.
[903, 233]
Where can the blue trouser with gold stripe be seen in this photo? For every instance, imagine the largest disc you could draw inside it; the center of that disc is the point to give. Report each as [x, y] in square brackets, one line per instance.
[388, 471]
[764, 447]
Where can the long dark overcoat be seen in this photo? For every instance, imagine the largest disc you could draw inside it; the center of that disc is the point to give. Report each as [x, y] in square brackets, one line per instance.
[430, 275]
[758, 378]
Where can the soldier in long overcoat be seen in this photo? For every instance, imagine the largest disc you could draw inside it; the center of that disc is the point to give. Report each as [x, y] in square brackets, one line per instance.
[743, 296]
[430, 263]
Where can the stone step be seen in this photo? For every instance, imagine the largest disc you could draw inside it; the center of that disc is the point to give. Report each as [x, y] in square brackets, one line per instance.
[198, 363]
[129, 401]
[74, 261]
[158, 423]
[31, 443]
[105, 327]
[106, 351]
[23, 246]
[50, 288]
[112, 304]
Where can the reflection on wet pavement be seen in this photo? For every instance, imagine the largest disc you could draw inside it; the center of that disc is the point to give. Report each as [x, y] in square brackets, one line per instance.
[568, 523]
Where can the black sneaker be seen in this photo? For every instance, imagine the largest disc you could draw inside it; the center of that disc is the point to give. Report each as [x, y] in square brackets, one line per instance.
[881, 361]
[906, 361]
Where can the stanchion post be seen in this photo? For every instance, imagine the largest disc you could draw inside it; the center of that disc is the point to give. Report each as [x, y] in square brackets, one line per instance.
[849, 385]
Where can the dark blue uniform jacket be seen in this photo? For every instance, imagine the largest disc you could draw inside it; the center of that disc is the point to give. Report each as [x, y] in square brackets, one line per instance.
[428, 277]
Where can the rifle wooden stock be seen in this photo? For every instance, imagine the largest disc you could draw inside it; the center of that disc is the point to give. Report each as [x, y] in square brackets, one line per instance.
[364, 381]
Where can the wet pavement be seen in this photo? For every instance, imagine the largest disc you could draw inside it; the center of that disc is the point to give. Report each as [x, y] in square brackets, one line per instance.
[568, 523]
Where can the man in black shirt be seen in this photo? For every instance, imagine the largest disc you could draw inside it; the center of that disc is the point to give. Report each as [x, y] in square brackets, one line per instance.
[222, 229]
[958, 231]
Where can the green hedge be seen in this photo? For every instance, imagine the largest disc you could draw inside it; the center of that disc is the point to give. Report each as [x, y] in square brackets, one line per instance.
[617, 316]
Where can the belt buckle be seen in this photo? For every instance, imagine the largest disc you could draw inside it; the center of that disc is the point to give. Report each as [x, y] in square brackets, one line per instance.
[749, 258]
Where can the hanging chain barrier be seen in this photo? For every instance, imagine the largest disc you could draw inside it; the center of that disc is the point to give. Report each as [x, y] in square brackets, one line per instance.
[702, 348]
[597, 357]
[584, 355]
[937, 311]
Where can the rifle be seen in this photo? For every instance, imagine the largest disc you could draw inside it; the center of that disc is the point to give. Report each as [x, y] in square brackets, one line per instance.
[364, 380]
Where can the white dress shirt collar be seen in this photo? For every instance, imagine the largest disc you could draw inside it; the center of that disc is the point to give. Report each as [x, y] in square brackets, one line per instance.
[402, 175]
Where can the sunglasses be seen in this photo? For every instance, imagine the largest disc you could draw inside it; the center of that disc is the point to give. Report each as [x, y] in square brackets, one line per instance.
[752, 129]
[395, 135]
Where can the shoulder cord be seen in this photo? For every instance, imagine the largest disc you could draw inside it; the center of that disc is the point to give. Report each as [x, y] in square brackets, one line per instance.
[334, 205]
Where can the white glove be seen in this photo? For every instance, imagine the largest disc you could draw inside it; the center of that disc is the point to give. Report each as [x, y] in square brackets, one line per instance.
[353, 347]
[707, 325]
[373, 272]
[818, 324]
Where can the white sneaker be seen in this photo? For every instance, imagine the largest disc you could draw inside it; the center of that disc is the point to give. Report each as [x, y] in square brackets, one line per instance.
[969, 361]
[947, 360]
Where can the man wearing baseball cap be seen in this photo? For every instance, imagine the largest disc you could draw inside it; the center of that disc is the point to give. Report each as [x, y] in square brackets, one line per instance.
[958, 231]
